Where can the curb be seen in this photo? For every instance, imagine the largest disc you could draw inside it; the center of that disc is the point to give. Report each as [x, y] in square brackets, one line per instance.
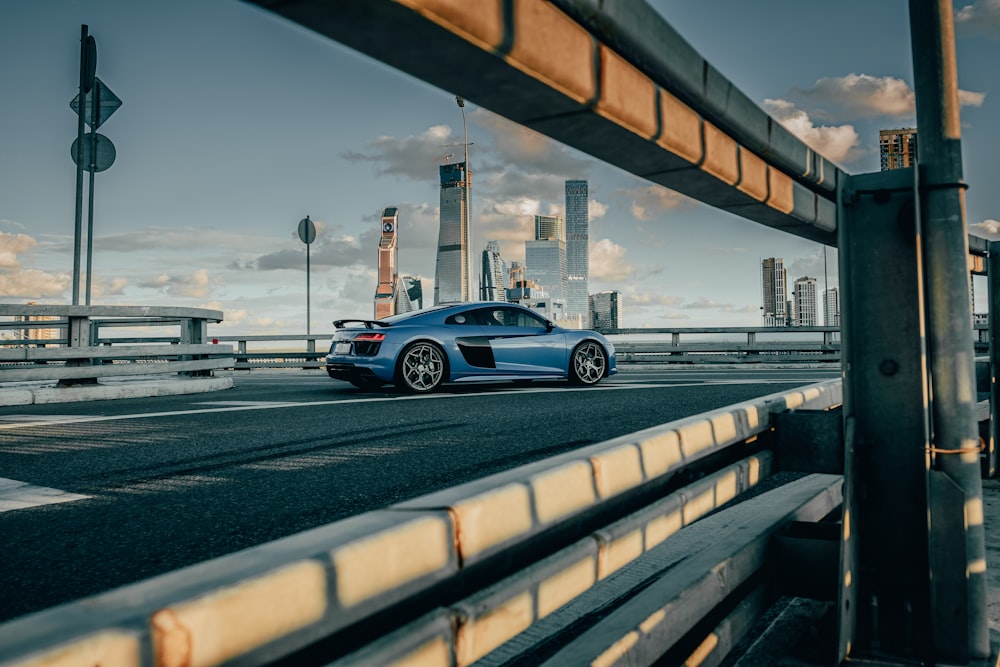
[103, 392]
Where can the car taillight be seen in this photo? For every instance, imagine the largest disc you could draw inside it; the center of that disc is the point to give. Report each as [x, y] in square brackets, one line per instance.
[372, 337]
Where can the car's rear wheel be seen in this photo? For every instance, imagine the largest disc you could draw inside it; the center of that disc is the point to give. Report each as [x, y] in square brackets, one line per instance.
[422, 367]
[588, 363]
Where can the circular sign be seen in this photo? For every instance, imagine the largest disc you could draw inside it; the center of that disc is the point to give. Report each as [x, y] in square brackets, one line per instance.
[307, 230]
[387, 227]
[98, 160]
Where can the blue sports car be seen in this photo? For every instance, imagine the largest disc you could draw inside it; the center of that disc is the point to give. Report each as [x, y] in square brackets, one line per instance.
[468, 342]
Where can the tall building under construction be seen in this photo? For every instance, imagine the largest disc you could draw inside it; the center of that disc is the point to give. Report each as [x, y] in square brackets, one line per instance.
[452, 282]
[897, 148]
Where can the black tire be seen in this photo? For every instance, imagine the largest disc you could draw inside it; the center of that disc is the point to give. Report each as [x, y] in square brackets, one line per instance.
[588, 364]
[422, 367]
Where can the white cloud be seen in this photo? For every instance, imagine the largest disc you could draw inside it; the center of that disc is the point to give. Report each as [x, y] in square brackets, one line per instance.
[702, 303]
[980, 19]
[651, 200]
[12, 245]
[103, 287]
[196, 284]
[834, 143]
[410, 157]
[989, 229]
[864, 96]
[651, 299]
[607, 261]
[29, 284]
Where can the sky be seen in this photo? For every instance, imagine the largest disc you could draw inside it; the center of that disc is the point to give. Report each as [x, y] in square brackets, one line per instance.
[236, 124]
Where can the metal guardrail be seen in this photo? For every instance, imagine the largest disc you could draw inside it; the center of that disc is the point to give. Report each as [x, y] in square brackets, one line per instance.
[459, 573]
[78, 354]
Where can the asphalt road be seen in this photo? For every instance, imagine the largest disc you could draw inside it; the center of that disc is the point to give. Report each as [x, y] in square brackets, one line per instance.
[165, 482]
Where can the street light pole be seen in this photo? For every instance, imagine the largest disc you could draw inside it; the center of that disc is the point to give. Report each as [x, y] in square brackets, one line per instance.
[468, 195]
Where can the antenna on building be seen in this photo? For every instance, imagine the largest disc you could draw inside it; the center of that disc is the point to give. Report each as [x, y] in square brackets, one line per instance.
[445, 157]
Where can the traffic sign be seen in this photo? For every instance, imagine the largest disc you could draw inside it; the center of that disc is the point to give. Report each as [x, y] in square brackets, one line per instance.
[107, 104]
[102, 159]
[307, 230]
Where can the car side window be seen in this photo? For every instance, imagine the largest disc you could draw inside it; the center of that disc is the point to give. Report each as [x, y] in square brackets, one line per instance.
[528, 320]
[461, 319]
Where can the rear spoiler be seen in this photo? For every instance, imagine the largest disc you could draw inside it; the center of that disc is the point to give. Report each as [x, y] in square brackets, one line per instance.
[369, 324]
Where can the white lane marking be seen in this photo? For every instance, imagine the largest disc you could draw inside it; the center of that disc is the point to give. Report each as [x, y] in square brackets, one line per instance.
[611, 386]
[15, 495]
[247, 403]
[37, 418]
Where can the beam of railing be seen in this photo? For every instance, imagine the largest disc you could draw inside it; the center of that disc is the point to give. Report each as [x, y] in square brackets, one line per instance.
[499, 554]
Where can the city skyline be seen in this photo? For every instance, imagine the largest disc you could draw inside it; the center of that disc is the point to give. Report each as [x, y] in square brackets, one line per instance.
[256, 123]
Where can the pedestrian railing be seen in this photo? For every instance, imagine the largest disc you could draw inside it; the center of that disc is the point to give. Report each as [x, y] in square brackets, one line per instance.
[65, 343]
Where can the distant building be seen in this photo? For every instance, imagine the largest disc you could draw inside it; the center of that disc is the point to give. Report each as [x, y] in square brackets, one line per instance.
[545, 265]
[578, 251]
[493, 277]
[606, 310]
[452, 282]
[831, 307]
[413, 286]
[897, 148]
[549, 228]
[388, 279]
[805, 302]
[38, 335]
[775, 301]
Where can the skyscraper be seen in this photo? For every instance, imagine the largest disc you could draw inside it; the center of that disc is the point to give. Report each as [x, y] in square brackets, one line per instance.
[606, 310]
[493, 279]
[545, 265]
[549, 228]
[774, 301]
[451, 272]
[385, 292]
[805, 302]
[578, 251]
[545, 257]
[831, 307]
[897, 148]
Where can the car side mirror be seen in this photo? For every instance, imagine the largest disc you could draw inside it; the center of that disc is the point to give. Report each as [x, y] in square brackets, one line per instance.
[549, 326]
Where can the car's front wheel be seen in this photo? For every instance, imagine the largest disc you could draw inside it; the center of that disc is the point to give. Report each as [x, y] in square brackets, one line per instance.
[588, 364]
[422, 367]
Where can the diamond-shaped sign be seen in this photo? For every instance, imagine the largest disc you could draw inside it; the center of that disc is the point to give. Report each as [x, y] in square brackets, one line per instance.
[107, 104]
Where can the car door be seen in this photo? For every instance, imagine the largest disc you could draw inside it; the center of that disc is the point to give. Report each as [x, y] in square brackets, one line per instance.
[523, 343]
[471, 354]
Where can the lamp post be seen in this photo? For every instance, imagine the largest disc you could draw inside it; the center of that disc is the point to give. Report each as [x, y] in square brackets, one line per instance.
[468, 194]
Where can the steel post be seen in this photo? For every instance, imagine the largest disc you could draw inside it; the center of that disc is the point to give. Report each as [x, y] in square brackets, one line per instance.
[993, 276]
[884, 603]
[958, 570]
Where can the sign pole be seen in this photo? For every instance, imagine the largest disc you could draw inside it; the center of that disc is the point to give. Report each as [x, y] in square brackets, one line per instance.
[307, 234]
[88, 57]
[96, 99]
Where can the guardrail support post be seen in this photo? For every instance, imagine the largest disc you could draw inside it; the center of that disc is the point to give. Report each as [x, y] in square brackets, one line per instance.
[993, 278]
[885, 603]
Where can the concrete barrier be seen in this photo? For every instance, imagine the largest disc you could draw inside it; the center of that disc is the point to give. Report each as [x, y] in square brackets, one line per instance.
[347, 580]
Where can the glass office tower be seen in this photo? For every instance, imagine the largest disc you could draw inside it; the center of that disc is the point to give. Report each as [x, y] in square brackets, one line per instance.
[493, 279]
[451, 272]
[578, 250]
